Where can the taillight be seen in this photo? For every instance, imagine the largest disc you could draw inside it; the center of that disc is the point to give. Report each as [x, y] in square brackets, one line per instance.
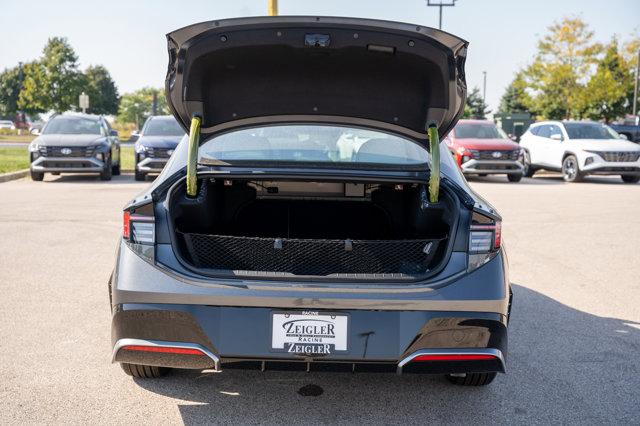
[139, 225]
[485, 238]
[126, 230]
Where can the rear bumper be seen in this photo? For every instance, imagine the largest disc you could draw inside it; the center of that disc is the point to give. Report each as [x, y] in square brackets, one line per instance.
[226, 336]
[492, 167]
[151, 165]
[231, 319]
[67, 164]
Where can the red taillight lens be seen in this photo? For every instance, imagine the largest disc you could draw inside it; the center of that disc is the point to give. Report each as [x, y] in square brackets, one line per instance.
[456, 357]
[498, 235]
[126, 228]
[163, 349]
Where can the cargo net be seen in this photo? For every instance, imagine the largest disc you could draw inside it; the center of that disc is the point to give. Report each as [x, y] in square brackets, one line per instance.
[311, 256]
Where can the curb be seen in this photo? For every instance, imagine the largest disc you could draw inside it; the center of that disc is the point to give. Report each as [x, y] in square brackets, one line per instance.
[6, 177]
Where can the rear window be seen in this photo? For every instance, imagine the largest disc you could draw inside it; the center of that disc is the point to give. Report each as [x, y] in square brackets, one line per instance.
[73, 126]
[313, 143]
[162, 127]
[479, 131]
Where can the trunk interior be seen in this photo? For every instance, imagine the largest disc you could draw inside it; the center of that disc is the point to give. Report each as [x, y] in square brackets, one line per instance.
[311, 229]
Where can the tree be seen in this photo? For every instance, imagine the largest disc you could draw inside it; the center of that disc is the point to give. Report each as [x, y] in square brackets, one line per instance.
[557, 76]
[54, 82]
[475, 106]
[135, 107]
[9, 91]
[607, 90]
[515, 97]
[102, 91]
[32, 98]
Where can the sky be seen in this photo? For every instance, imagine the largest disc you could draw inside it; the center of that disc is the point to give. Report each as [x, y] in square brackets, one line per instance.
[128, 36]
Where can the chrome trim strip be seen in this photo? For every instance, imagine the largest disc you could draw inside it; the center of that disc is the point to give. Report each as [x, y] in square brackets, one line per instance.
[97, 165]
[462, 351]
[158, 343]
[142, 165]
[469, 166]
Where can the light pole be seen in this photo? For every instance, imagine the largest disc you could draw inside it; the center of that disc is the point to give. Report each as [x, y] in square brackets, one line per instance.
[440, 4]
[635, 87]
[484, 87]
[20, 114]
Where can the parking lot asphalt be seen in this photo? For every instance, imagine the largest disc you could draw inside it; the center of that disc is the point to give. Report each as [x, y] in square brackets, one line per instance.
[574, 350]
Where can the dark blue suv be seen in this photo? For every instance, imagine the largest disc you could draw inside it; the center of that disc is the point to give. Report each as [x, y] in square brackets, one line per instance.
[159, 137]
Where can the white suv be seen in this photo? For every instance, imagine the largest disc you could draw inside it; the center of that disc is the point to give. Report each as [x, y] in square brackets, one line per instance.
[579, 148]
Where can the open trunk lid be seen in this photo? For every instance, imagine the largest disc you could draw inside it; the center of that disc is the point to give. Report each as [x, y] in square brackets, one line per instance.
[245, 72]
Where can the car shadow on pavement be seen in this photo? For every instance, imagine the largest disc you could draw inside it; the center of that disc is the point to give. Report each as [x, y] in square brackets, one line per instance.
[564, 365]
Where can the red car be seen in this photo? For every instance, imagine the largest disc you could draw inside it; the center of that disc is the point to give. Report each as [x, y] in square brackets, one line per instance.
[481, 148]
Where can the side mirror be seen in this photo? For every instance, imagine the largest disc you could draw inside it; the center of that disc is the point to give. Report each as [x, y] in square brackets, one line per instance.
[623, 136]
[513, 138]
[556, 137]
[35, 131]
[113, 132]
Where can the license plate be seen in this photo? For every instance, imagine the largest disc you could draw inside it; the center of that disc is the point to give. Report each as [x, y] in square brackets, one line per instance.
[309, 332]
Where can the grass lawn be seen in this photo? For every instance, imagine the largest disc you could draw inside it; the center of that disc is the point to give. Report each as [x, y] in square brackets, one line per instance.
[127, 157]
[12, 159]
[17, 138]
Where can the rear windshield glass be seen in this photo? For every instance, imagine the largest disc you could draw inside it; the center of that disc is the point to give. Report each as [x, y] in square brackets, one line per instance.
[162, 127]
[590, 131]
[72, 126]
[479, 131]
[313, 143]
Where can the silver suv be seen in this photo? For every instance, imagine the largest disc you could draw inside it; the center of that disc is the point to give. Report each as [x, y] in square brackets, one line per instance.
[75, 143]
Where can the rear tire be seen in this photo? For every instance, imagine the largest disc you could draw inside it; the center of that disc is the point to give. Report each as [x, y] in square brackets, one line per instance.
[472, 379]
[106, 172]
[630, 179]
[115, 170]
[514, 178]
[570, 169]
[37, 176]
[143, 371]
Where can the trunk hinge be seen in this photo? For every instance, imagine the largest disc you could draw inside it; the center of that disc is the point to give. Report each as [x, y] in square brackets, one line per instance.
[192, 156]
[434, 175]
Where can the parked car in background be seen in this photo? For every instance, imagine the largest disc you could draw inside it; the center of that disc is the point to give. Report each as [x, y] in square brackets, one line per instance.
[629, 128]
[7, 124]
[75, 143]
[156, 142]
[36, 127]
[270, 245]
[578, 149]
[482, 148]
